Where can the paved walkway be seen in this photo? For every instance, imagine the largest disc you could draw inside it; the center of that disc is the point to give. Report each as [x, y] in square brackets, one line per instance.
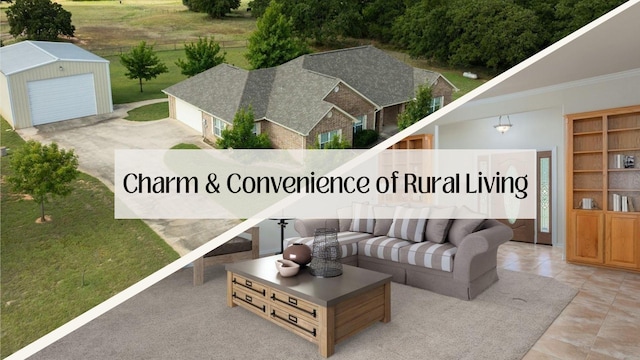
[94, 139]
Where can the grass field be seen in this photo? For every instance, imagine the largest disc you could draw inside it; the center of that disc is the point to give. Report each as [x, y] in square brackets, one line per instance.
[55, 271]
[149, 112]
[113, 24]
[125, 90]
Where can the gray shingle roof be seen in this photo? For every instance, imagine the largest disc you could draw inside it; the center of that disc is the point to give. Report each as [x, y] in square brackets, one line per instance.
[292, 94]
[378, 76]
[224, 89]
[257, 89]
[28, 54]
[217, 91]
[296, 99]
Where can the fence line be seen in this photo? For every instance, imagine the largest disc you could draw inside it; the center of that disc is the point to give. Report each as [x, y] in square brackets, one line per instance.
[161, 46]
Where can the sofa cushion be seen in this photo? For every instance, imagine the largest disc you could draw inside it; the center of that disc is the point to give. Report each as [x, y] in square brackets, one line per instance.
[382, 247]
[344, 218]
[440, 220]
[362, 219]
[466, 222]
[348, 241]
[409, 223]
[384, 218]
[430, 255]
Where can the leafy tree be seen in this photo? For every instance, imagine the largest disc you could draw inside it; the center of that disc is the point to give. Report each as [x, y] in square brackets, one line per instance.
[240, 135]
[424, 30]
[39, 20]
[571, 15]
[323, 21]
[142, 63]
[201, 56]
[215, 8]
[43, 170]
[273, 43]
[363, 138]
[499, 35]
[258, 7]
[416, 109]
[496, 34]
[378, 17]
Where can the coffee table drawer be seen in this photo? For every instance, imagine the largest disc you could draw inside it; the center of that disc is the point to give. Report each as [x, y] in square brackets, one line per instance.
[296, 306]
[250, 301]
[293, 322]
[257, 288]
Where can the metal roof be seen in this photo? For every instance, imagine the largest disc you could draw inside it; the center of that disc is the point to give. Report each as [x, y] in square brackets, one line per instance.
[29, 54]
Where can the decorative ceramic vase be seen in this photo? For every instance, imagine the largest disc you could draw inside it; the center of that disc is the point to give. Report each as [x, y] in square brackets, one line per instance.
[298, 253]
[287, 268]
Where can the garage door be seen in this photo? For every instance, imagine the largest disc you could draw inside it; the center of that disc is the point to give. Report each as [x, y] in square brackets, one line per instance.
[62, 98]
[189, 115]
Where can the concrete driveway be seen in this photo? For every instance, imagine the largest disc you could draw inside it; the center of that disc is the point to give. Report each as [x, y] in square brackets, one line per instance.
[95, 138]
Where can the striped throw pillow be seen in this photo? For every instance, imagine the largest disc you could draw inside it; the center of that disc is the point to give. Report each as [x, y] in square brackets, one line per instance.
[363, 218]
[409, 223]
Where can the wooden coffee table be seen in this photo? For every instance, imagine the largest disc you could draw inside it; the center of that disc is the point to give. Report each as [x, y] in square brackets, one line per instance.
[324, 311]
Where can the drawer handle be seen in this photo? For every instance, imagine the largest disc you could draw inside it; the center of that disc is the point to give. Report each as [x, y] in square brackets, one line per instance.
[293, 319]
[293, 303]
[248, 284]
[294, 323]
[248, 301]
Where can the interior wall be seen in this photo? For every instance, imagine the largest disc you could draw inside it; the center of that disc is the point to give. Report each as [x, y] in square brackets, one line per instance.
[538, 123]
[538, 130]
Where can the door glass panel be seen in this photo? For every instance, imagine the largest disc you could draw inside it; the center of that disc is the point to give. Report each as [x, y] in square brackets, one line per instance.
[545, 202]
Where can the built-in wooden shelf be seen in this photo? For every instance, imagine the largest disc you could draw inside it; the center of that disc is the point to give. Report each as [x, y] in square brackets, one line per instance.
[602, 236]
[589, 152]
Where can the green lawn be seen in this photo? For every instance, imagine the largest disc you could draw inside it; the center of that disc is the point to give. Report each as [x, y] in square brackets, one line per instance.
[185, 146]
[125, 90]
[149, 112]
[55, 271]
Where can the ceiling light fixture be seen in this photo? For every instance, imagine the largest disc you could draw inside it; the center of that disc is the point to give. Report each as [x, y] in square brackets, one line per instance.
[503, 127]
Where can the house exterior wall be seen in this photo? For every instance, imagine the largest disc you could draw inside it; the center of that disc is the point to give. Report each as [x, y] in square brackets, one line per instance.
[17, 86]
[442, 88]
[5, 100]
[282, 138]
[207, 130]
[337, 120]
[172, 107]
[353, 103]
[390, 115]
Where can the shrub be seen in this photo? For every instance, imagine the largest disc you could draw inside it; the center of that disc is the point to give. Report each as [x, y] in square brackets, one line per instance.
[362, 139]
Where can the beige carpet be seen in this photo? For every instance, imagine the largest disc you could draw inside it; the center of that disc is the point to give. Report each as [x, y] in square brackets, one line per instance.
[174, 320]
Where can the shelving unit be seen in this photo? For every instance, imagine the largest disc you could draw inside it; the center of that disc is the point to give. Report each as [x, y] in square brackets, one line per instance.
[603, 235]
[405, 162]
[420, 141]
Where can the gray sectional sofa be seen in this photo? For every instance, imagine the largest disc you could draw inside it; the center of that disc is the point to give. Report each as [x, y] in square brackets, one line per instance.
[450, 256]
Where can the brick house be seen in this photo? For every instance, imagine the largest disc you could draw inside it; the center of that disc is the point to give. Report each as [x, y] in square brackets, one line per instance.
[308, 100]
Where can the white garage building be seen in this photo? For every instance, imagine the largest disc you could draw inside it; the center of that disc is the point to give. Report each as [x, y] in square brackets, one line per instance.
[43, 82]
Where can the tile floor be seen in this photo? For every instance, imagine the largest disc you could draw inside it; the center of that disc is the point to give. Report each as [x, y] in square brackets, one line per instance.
[603, 320]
